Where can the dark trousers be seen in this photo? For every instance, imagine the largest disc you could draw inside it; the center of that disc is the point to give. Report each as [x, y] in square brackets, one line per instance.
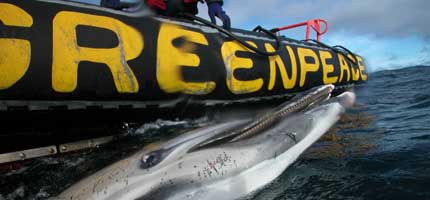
[115, 4]
[175, 7]
[215, 9]
[191, 8]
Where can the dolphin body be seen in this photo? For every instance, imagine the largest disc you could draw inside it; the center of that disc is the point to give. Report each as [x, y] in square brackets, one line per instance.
[213, 163]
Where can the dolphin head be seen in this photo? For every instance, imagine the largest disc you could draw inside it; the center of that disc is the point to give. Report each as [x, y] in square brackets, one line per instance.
[227, 160]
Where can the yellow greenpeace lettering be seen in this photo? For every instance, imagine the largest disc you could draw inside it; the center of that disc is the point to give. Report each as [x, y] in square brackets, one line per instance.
[355, 73]
[327, 68]
[11, 15]
[307, 67]
[344, 68]
[233, 62]
[15, 54]
[361, 67]
[287, 82]
[171, 59]
[67, 53]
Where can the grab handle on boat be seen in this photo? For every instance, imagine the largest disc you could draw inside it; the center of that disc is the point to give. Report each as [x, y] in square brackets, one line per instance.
[245, 44]
[313, 23]
[338, 49]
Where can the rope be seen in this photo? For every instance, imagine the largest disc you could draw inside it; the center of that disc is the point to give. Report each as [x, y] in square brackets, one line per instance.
[242, 42]
[338, 49]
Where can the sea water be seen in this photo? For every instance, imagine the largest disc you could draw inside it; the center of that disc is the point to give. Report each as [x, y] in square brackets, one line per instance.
[380, 149]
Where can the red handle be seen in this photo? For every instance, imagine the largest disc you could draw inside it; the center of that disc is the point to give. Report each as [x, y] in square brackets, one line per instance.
[314, 23]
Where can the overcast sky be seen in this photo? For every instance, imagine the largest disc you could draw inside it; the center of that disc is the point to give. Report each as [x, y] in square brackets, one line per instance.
[388, 33]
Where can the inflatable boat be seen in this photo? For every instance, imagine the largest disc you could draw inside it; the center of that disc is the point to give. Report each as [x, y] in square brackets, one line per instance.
[59, 53]
[74, 58]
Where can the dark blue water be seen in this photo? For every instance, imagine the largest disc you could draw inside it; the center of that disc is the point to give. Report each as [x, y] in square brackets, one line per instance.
[379, 150]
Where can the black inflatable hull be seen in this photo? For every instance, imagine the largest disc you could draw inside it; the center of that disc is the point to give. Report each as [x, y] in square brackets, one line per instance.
[70, 71]
[75, 56]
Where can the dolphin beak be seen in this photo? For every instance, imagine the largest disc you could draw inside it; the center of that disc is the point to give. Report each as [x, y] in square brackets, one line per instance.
[347, 99]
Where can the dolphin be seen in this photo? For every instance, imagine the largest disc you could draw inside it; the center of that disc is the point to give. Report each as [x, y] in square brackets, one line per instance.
[225, 160]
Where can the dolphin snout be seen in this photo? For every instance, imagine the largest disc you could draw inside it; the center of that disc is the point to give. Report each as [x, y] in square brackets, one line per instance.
[347, 99]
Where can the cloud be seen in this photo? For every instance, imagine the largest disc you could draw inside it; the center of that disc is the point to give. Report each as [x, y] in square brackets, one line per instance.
[383, 53]
[425, 49]
[394, 18]
[424, 54]
[383, 18]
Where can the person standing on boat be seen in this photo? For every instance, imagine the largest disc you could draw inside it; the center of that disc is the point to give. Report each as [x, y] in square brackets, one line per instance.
[215, 9]
[128, 6]
[159, 6]
[175, 7]
[114, 4]
[190, 6]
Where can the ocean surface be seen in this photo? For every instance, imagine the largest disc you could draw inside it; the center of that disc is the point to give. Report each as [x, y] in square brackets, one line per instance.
[380, 149]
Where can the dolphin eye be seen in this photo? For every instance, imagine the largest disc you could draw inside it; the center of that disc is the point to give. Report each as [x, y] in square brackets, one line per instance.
[151, 159]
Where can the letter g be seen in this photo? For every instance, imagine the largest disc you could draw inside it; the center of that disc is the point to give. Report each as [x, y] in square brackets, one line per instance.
[15, 54]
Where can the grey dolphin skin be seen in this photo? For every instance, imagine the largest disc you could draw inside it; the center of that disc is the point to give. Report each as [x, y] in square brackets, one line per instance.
[227, 160]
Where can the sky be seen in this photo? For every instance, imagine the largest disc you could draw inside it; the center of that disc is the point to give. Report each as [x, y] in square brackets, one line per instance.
[389, 34]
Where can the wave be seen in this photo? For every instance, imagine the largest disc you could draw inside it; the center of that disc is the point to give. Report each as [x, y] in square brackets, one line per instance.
[396, 69]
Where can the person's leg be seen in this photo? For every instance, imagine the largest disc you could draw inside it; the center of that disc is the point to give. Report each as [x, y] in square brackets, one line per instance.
[225, 20]
[212, 11]
[191, 8]
[219, 12]
[174, 7]
[114, 4]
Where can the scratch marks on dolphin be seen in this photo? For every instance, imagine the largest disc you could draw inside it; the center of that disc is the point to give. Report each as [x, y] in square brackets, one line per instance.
[212, 166]
[292, 135]
[217, 166]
